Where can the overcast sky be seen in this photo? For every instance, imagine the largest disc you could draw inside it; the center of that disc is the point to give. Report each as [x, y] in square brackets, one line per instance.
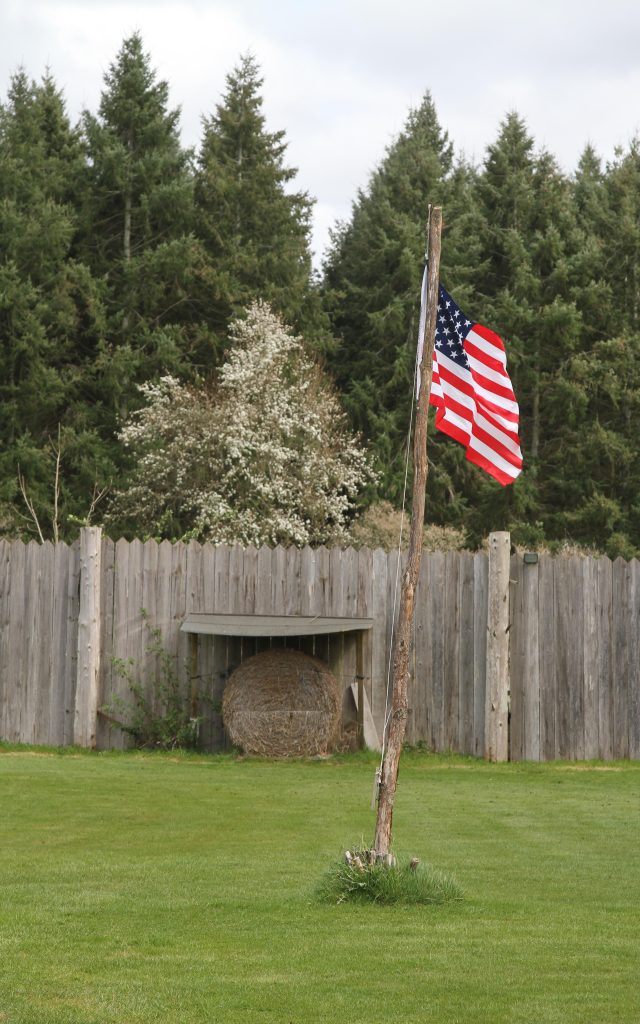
[340, 77]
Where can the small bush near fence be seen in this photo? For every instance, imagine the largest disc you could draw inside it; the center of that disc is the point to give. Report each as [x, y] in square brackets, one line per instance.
[158, 714]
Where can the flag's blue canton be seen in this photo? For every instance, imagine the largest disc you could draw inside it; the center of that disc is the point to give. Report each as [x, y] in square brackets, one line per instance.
[452, 328]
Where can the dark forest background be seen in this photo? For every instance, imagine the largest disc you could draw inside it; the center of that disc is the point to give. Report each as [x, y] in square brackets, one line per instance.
[124, 257]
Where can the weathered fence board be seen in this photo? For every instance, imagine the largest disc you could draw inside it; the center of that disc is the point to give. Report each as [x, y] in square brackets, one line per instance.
[6, 682]
[480, 614]
[574, 652]
[497, 693]
[634, 661]
[467, 677]
[569, 655]
[32, 636]
[208, 711]
[451, 657]
[437, 625]
[531, 702]
[379, 614]
[365, 610]
[604, 575]
[16, 648]
[590, 642]
[518, 659]
[419, 724]
[620, 659]
[106, 635]
[547, 658]
[43, 639]
[38, 631]
[64, 647]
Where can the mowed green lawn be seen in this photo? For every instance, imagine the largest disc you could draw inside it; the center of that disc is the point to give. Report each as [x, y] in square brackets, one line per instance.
[180, 889]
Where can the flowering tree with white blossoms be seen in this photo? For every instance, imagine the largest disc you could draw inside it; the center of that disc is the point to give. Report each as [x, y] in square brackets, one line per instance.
[261, 456]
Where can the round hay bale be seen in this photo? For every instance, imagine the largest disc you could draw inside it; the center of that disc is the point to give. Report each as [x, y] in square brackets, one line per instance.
[282, 703]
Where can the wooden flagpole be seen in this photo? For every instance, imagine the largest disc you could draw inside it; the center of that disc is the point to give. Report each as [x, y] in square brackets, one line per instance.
[399, 700]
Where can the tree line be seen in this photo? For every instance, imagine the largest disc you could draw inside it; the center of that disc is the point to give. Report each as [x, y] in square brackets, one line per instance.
[127, 260]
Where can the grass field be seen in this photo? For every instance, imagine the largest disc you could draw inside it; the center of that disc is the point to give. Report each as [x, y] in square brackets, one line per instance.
[180, 889]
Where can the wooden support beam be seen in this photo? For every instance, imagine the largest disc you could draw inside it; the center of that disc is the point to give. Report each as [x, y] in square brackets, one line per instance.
[87, 700]
[496, 744]
[193, 672]
[360, 684]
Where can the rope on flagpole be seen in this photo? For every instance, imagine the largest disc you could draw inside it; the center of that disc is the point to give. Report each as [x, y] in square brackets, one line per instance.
[415, 391]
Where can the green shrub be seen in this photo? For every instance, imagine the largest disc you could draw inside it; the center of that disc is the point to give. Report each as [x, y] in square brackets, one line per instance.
[158, 714]
[377, 883]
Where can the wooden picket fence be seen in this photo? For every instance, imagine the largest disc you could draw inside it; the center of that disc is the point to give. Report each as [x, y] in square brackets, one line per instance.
[570, 678]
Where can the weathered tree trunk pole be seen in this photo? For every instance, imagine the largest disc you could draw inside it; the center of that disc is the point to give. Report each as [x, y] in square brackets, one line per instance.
[399, 700]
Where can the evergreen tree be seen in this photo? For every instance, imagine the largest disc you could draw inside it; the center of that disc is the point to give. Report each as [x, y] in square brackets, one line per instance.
[372, 286]
[50, 311]
[254, 228]
[140, 188]
[137, 227]
[593, 471]
[592, 496]
[526, 292]
[593, 292]
[621, 251]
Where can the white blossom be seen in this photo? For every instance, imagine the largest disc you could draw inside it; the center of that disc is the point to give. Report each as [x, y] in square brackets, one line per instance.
[261, 456]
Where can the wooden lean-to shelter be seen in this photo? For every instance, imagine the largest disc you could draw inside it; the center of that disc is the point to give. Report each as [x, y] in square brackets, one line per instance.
[282, 701]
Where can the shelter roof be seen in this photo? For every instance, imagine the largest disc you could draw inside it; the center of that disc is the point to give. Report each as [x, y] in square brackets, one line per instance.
[271, 625]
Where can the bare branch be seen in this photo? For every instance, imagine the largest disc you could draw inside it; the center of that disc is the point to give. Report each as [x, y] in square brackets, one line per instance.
[56, 487]
[96, 498]
[29, 504]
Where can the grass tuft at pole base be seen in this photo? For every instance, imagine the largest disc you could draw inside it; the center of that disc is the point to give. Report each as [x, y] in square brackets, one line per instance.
[354, 879]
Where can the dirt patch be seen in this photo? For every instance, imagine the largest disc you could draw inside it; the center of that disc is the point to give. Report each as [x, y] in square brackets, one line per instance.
[29, 753]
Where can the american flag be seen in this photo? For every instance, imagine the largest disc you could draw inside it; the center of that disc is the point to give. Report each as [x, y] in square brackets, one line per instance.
[472, 392]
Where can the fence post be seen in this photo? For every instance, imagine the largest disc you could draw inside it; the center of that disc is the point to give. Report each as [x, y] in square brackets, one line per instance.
[88, 670]
[496, 742]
